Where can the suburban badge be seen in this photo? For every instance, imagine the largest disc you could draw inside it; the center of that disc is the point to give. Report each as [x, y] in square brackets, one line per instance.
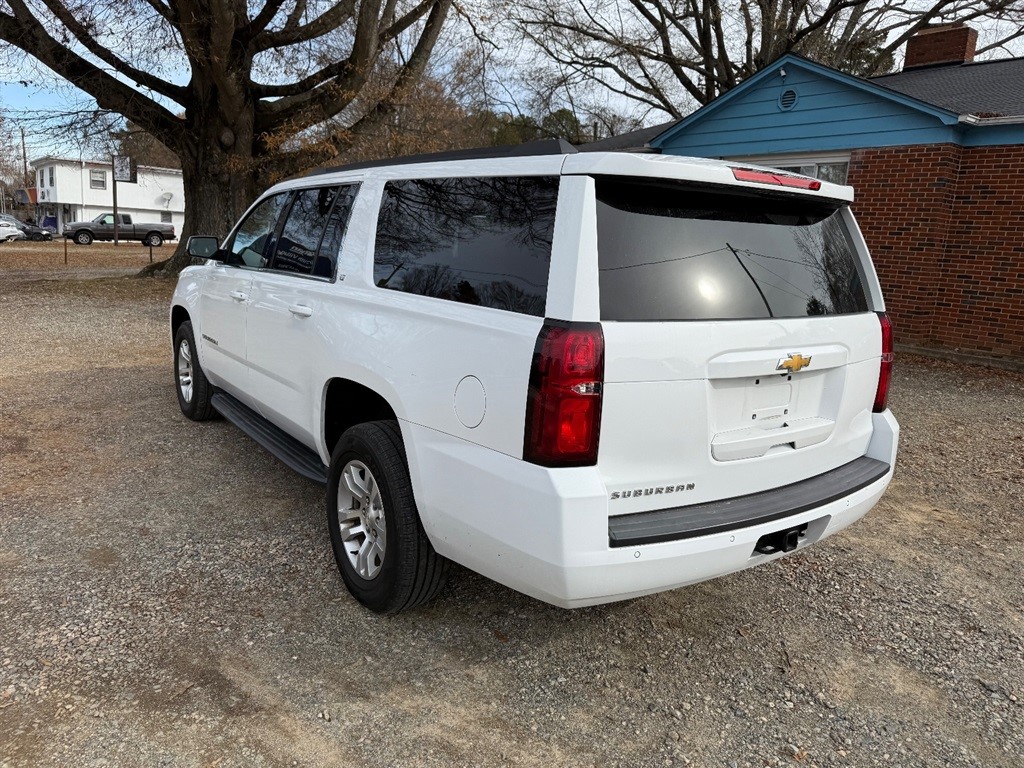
[657, 490]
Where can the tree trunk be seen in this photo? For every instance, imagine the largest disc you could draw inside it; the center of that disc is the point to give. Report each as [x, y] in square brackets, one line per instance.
[221, 178]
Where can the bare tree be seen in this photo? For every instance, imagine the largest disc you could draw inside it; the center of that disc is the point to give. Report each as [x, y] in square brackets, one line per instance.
[11, 175]
[133, 141]
[672, 54]
[234, 88]
[434, 114]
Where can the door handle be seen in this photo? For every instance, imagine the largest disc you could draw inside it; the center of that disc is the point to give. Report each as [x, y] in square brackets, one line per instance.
[300, 310]
[239, 295]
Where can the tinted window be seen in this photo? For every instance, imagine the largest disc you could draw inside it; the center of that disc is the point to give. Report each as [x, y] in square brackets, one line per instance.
[337, 223]
[669, 252]
[253, 235]
[303, 230]
[483, 241]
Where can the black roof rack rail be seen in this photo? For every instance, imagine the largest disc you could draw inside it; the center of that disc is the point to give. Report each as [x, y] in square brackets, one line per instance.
[527, 149]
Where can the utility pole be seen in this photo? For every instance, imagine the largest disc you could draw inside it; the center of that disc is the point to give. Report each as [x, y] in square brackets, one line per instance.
[24, 159]
[113, 180]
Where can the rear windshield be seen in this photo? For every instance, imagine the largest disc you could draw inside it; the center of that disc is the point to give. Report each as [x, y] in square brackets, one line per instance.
[669, 251]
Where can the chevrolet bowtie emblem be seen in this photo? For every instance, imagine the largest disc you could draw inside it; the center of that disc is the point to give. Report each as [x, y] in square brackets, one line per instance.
[793, 363]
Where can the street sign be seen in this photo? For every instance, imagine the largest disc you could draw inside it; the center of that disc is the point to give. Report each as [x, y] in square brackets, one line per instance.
[125, 170]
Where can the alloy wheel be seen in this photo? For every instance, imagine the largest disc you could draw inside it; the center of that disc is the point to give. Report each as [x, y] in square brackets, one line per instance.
[361, 520]
[185, 383]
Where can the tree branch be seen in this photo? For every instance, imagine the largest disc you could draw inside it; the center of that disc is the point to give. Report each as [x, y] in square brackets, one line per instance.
[267, 14]
[88, 41]
[292, 32]
[24, 31]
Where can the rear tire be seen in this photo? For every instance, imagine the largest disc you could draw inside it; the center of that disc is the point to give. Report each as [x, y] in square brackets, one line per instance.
[154, 239]
[83, 238]
[384, 556]
[194, 390]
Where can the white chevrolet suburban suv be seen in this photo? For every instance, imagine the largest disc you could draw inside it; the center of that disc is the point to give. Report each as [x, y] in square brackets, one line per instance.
[587, 376]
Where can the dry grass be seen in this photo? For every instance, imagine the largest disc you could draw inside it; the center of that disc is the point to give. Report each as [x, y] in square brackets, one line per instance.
[26, 255]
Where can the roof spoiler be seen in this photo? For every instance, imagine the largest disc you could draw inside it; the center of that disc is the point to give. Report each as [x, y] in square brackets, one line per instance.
[527, 149]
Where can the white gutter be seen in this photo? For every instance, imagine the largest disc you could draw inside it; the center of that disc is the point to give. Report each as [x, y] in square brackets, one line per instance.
[1003, 120]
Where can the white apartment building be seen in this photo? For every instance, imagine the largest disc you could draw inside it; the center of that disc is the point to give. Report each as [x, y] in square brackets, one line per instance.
[76, 190]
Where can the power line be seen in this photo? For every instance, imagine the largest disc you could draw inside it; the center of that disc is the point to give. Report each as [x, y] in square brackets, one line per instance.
[662, 261]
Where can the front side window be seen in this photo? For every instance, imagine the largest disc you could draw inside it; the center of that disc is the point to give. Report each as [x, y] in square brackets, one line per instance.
[108, 220]
[97, 179]
[311, 237]
[484, 241]
[252, 238]
[669, 251]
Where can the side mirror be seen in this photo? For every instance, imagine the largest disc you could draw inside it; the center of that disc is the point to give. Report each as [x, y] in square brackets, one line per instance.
[203, 247]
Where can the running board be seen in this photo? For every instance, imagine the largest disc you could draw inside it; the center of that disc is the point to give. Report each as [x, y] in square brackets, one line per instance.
[294, 454]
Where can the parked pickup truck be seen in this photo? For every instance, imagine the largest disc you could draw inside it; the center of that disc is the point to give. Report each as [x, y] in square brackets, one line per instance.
[102, 228]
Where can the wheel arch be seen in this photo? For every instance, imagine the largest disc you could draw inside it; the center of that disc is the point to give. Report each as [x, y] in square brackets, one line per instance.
[179, 315]
[347, 402]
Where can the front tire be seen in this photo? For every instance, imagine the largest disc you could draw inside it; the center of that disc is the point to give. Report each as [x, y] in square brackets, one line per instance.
[194, 390]
[154, 239]
[384, 556]
[83, 238]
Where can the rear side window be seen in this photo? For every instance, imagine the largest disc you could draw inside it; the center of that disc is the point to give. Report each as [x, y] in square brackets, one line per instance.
[669, 251]
[484, 241]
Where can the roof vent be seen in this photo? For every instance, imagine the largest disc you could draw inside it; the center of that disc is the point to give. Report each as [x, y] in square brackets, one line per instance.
[787, 99]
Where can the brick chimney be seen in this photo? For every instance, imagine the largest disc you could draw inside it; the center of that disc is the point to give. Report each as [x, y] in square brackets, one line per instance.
[943, 44]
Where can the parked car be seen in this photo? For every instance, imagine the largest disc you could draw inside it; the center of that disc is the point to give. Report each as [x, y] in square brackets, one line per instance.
[9, 232]
[102, 228]
[587, 376]
[32, 232]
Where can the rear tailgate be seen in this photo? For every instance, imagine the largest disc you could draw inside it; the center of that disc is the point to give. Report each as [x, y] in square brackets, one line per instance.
[741, 350]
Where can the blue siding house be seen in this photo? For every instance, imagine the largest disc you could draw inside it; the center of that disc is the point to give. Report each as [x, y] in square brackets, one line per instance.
[935, 154]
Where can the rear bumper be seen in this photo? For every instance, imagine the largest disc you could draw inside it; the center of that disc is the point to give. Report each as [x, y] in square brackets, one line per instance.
[745, 511]
[546, 533]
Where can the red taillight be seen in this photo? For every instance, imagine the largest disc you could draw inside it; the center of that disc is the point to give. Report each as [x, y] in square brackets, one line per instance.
[782, 179]
[885, 370]
[563, 410]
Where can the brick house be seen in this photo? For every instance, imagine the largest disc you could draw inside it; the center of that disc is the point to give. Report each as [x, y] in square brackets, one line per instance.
[936, 155]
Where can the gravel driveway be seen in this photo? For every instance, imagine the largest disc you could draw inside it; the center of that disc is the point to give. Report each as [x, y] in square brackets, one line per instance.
[168, 597]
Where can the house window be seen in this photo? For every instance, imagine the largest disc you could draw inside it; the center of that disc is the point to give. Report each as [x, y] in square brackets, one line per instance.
[833, 168]
[51, 176]
[834, 172]
[42, 178]
[165, 217]
[97, 179]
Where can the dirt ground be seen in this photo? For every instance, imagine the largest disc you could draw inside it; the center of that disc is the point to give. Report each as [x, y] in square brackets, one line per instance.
[168, 596]
[23, 258]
